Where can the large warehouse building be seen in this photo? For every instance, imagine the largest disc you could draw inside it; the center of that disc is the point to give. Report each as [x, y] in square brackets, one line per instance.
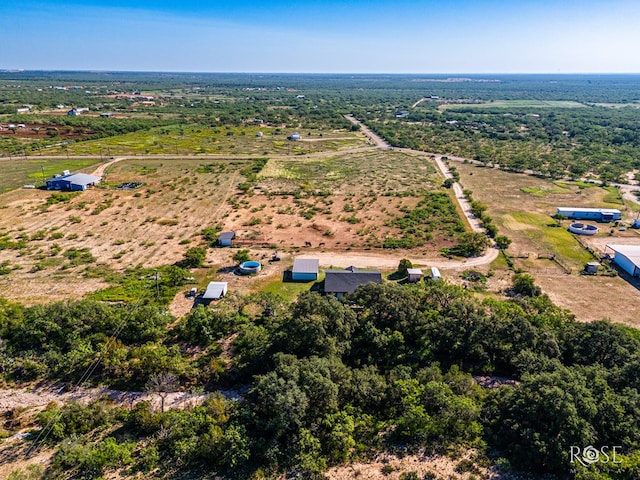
[597, 214]
[627, 257]
[74, 182]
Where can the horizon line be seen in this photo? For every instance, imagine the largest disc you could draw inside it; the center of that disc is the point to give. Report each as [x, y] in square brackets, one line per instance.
[194, 72]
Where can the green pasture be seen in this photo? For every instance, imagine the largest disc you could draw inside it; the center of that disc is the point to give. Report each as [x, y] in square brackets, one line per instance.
[194, 139]
[542, 191]
[546, 236]
[381, 172]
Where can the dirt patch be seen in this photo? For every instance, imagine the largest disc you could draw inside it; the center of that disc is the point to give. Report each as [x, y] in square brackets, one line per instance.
[35, 131]
[390, 467]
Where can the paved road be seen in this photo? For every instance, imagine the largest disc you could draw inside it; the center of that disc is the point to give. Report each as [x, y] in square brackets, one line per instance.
[380, 142]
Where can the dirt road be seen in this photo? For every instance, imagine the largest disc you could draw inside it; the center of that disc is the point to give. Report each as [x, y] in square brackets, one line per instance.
[391, 260]
[40, 397]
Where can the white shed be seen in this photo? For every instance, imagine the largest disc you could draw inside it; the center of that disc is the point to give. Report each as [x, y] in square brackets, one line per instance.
[415, 274]
[435, 273]
[215, 291]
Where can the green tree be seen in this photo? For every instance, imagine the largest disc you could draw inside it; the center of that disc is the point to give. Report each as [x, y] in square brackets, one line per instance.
[470, 244]
[502, 241]
[241, 256]
[194, 257]
[405, 263]
[525, 284]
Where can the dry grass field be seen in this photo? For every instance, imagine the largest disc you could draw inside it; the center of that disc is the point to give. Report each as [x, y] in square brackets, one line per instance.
[57, 246]
[521, 207]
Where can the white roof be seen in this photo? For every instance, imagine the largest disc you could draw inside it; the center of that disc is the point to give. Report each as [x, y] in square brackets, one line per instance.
[581, 209]
[306, 265]
[215, 290]
[632, 252]
[414, 271]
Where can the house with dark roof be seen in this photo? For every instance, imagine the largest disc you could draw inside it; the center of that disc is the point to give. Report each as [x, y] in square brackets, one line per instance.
[339, 282]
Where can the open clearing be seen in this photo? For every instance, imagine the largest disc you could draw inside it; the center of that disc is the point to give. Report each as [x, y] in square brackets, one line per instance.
[521, 207]
[189, 140]
[335, 203]
[510, 104]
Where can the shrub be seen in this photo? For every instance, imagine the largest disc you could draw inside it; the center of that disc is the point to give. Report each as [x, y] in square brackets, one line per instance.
[241, 256]
[405, 263]
[194, 257]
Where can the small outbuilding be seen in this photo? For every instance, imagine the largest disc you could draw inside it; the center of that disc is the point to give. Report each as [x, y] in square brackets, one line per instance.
[414, 274]
[627, 257]
[592, 267]
[294, 136]
[305, 270]
[215, 291]
[226, 238]
[435, 273]
[339, 282]
[73, 182]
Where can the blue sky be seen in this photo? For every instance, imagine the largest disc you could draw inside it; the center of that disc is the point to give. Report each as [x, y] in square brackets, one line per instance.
[349, 36]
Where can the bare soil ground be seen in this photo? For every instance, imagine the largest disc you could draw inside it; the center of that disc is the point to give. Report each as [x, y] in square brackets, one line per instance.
[391, 467]
[33, 131]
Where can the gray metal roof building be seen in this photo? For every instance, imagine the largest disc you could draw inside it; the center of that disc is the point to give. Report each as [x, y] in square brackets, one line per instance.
[305, 269]
[225, 238]
[75, 181]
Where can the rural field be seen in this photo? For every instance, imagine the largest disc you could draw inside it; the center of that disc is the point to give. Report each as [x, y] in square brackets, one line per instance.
[522, 207]
[334, 202]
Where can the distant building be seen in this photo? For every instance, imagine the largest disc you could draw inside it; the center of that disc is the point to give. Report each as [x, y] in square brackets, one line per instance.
[73, 112]
[226, 238]
[340, 282]
[23, 110]
[215, 291]
[414, 274]
[597, 214]
[305, 269]
[627, 257]
[73, 182]
[294, 136]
